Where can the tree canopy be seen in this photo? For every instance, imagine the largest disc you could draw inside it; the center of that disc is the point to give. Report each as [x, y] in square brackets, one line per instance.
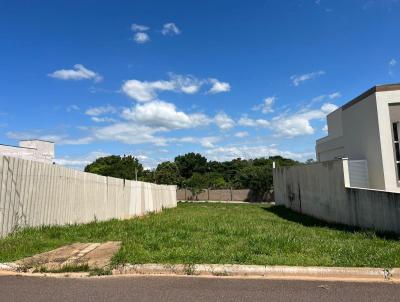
[194, 171]
[116, 166]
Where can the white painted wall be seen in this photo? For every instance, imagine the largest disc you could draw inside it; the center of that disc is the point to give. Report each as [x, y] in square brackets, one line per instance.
[36, 194]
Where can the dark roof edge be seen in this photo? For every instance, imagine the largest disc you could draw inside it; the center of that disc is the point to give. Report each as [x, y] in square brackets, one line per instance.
[379, 88]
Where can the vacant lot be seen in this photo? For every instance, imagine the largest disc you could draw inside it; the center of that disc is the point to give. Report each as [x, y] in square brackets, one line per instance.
[219, 233]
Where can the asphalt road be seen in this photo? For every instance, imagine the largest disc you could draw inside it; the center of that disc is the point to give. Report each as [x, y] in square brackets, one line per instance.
[145, 288]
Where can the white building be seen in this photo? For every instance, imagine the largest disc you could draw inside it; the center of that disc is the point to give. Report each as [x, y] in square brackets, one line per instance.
[366, 130]
[36, 150]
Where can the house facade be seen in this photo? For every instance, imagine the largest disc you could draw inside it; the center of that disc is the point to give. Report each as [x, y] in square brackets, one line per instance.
[36, 150]
[366, 131]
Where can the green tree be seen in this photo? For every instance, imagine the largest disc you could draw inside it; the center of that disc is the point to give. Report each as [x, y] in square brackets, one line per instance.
[196, 183]
[214, 180]
[167, 173]
[256, 178]
[147, 176]
[124, 167]
[191, 163]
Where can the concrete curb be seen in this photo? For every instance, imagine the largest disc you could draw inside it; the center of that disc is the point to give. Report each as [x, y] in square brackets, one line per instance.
[232, 270]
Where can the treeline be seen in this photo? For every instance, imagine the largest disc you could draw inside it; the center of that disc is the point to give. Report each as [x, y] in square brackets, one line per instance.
[195, 172]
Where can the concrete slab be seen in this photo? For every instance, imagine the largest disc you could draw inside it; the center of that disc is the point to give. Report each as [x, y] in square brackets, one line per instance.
[93, 255]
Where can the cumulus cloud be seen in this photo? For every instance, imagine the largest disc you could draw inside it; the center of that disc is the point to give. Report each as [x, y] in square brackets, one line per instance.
[218, 87]
[241, 134]
[163, 115]
[291, 125]
[137, 27]
[248, 152]
[145, 91]
[223, 121]
[170, 29]
[129, 133]
[206, 142]
[186, 83]
[95, 111]
[59, 139]
[79, 72]
[249, 122]
[299, 79]
[79, 162]
[298, 124]
[266, 105]
[102, 119]
[141, 38]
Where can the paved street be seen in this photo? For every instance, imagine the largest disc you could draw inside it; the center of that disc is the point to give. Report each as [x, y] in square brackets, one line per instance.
[32, 289]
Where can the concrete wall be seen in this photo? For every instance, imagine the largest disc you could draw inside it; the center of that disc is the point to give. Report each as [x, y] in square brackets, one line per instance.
[224, 195]
[362, 138]
[367, 135]
[319, 190]
[385, 101]
[36, 150]
[35, 194]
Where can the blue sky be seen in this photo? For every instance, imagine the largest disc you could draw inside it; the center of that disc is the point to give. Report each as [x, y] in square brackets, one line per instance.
[160, 78]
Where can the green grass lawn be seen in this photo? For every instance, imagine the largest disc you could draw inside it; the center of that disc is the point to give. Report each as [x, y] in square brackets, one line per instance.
[219, 233]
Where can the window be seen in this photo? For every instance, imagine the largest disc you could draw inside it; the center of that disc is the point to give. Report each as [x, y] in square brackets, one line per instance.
[397, 146]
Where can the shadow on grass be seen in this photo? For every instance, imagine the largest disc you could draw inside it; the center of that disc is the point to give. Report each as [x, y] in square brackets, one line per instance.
[309, 221]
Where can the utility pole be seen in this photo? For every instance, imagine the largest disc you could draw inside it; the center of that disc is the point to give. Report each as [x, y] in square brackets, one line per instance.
[135, 173]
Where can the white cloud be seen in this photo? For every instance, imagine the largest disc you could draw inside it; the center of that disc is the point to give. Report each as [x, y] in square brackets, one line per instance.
[206, 142]
[163, 115]
[59, 139]
[186, 83]
[144, 91]
[103, 119]
[247, 152]
[299, 79]
[298, 123]
[96, 111]
[170, 29]
[79, 72]
[241, 134]
[392, 62]
[335, 95]
[137, 27]
[266, 106]
[248, 122]
[218, 86]
[141, 38]
[325, 128]
[129, 133]
[79, 162]
[291, 125]
[223, 121]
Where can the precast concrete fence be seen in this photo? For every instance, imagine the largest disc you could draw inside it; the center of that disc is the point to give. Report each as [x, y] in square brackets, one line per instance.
[323, 190]
[224, 195]
[35, 194]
